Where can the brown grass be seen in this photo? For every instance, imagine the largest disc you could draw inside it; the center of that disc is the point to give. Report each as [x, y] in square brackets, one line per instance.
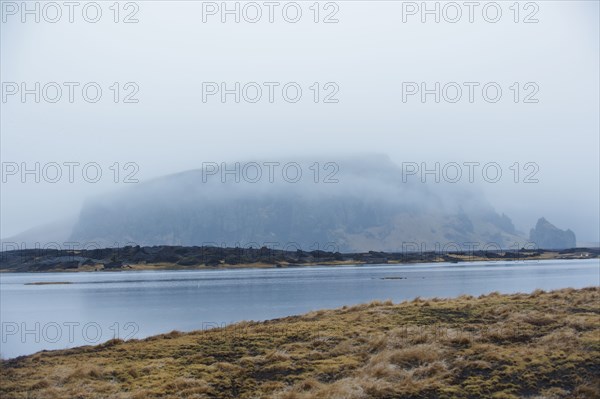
[537, 346]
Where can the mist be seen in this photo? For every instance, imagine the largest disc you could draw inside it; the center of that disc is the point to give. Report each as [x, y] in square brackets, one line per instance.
[165, 60]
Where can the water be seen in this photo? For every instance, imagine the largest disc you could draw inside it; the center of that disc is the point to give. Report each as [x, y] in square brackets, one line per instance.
[98, 306]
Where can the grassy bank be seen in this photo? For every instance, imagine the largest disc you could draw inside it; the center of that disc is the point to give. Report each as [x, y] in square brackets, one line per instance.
[543, 345]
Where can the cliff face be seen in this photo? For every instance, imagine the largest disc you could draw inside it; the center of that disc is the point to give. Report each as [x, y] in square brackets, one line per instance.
[368, 208]
[547, 236]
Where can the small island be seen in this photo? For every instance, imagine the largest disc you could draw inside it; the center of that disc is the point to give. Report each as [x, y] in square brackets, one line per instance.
[48, 283]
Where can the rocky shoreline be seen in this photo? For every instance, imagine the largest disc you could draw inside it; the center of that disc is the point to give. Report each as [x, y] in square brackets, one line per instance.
[178, 257]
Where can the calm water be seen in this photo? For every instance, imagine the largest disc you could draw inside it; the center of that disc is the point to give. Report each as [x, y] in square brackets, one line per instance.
[98, 306]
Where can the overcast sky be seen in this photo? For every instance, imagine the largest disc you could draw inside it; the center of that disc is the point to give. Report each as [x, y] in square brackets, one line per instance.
[369, 57]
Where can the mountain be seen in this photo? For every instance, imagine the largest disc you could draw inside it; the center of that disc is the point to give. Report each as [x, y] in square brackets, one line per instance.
[51, 235]
[352, 204]
[547, 236]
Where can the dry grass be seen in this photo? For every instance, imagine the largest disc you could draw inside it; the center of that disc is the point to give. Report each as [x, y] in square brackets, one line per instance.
[537, 346]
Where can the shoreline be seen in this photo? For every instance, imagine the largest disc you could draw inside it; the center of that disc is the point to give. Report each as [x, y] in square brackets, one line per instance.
[294, 315]
[380, 258]
[504, 345]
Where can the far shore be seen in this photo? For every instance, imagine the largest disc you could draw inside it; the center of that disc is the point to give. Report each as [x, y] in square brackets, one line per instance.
[426, 258]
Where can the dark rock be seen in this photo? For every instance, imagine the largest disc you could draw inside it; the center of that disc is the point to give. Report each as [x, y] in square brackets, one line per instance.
[189, 261]
[113, 265]
[547, 236]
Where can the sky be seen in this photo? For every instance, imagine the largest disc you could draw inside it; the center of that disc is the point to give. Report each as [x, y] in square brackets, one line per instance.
[361, 69]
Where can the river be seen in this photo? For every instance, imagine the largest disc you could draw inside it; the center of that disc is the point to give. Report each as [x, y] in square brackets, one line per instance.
[98, 306]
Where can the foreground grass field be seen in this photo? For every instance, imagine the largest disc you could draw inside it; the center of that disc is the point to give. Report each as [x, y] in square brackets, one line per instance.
[543, 345]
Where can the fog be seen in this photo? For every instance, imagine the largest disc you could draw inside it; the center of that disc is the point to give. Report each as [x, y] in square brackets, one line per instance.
[366, 65]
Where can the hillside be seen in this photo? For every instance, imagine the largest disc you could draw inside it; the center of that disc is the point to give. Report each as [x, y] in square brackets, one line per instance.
[360, 204]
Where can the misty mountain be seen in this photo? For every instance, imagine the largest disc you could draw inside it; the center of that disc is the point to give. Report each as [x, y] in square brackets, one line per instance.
[353, 204]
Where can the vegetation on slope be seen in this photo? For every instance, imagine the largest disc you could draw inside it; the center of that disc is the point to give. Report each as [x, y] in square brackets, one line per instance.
[539, 345]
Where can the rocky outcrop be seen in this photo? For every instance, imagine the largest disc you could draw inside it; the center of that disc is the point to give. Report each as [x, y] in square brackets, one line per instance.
[547, 236]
